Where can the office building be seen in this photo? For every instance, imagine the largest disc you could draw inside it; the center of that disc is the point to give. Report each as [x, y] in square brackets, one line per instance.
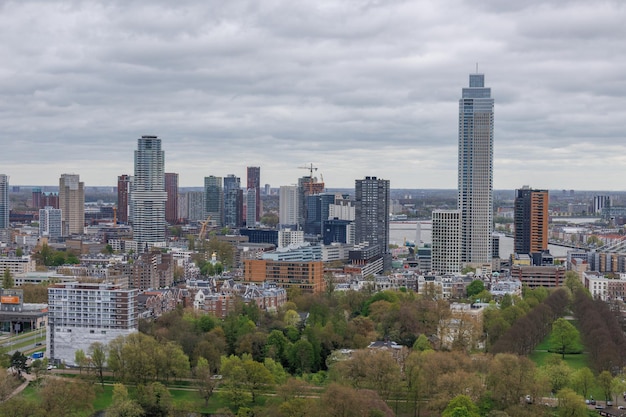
[80, 314]
[475, 179]
[72, 204]
[446, 241]
[171, 204]
[148, 194]
[317, 209]
[306, 186]
[214, 199]
[5, 207]
[123, 197]
[288, 206]
[531, 221]
[50, 223]
[372, 215]
[251, 207]
[233, 201]
[195, 206]
[254, 182]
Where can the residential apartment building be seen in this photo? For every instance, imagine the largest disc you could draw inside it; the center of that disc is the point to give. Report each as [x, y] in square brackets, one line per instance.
[50, 223]
[80, 314]
[531, 220]
[148, 194]
[372, 215]
[308, 276]
[171, 204]
[72, 204]
[446, 241]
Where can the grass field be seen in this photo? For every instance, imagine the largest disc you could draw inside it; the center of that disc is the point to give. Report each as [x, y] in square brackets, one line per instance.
[575, 361]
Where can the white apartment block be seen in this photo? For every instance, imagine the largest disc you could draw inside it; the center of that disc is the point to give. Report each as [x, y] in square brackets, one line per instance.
[288, 237]
[80, 314]
[446, 241]
[288, 205]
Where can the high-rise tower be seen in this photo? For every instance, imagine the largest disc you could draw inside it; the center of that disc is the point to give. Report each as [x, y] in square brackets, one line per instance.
[254, 181]
[148, 194]
[123, 194]
[531, 220]
[171, 205]
[214, 199]
[372, 214]
[4, 207]
[475, 199]
[233, 201]
[72, 204]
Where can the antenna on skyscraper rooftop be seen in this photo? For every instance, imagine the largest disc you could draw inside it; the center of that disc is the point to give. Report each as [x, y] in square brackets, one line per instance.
[477, 68]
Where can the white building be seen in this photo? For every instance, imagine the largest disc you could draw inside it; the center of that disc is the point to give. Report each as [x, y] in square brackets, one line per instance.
[288, 205]
[50, 223]
[80, 314]
[148, 194]
[288, 237]
[446, 241]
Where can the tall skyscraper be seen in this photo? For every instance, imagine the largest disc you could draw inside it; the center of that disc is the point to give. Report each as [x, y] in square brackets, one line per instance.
[171, 205]
[372, 215]
[251, 209]
[123, 197]
[214, 199]
[475, 199]
[233, 201]
[288, 205]
[446, 241]
[4, 207]
[72, 204]
[148, 194]
[254, 181]
[531, 220]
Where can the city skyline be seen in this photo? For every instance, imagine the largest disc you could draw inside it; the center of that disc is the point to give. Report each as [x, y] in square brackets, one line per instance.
[354, 88]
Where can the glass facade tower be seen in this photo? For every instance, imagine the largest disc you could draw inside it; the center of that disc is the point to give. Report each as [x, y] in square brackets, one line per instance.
[475, 185]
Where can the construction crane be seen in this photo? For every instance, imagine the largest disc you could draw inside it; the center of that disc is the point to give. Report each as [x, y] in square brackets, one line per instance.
[310, 168]
[203, 228]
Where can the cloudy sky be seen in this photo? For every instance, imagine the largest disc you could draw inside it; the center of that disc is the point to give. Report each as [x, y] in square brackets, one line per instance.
[356, 87]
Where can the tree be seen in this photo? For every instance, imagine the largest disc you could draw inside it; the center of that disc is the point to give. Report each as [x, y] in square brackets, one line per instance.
[564, 338]
[605, 381]
[97, 353]
[81, 359]
[582, 381]
[155, 399]
[422, 343]
[475, 287]
[461, 406]
[205, 380]
[64, 397]
[571, 404]
[122, 405]
[18, 361]
[7, 279]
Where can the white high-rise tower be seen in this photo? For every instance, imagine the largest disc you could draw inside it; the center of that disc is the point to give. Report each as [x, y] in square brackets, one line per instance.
[148, 195]
[475, 200]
